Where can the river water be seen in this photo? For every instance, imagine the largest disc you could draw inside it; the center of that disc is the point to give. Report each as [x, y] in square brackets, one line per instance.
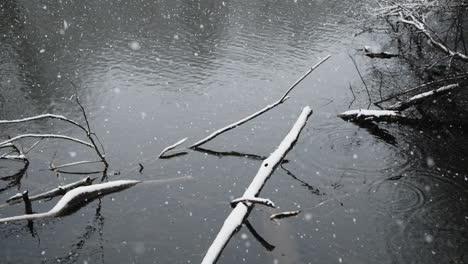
[152, 72]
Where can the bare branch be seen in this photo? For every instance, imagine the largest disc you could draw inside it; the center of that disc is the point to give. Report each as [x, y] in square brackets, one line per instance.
[77, 195]
[61, 190]
[419, 98]
[52, 167]
[47, 136]
[44, 116]
[263, 110]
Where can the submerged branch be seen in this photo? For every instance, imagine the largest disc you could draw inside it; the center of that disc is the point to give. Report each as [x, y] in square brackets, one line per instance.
[253, 200]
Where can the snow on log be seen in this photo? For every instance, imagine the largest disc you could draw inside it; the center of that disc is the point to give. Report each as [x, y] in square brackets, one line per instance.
[173, 146]
[364, 114]
[284, 214]
[17, 198]
[256, 200]
[261, 111]
[238, 214]
[419, 98]
[76, 196]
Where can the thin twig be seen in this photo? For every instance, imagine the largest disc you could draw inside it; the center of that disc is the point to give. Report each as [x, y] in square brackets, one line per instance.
[89, 134]
[464, 76]
[52, 167]
[354, 96]
[362, 79]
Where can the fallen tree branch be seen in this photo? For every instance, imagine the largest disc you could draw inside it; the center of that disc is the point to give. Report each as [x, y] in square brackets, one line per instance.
[47, 136]
[43, 116]
[419, 98]
[240, 212]
[76, 196]
[464, 76]
[375, 115]
[61, 190]
[263, 110]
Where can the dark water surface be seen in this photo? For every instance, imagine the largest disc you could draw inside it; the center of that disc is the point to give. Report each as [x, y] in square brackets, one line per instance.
[152, 72]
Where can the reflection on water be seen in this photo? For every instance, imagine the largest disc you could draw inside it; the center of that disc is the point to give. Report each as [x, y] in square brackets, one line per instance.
[152, 72]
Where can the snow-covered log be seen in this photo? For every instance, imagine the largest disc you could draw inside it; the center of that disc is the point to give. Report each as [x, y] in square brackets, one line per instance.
[374, 115]
[261, 111]
[284, 214]
[238, 214]
[75, 197]
[61, 190]
[419, 98]
[173, 146]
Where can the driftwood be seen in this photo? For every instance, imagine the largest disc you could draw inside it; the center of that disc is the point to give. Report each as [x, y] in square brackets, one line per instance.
[240, 212]
[76, 197]
[263, 110]
[419, 98]
[370, 115]
[284, 214]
